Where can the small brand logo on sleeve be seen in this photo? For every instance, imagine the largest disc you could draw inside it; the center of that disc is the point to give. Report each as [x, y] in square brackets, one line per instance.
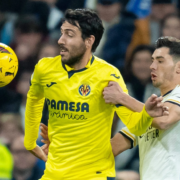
[117, 77]
[52, 83]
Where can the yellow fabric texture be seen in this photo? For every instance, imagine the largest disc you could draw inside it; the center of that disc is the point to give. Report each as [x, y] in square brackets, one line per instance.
[6, 163]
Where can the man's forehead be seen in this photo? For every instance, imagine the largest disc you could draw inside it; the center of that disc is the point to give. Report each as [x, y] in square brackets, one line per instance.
[161, 51]
[66, 25]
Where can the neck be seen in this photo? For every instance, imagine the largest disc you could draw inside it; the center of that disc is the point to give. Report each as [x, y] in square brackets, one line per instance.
[167, 88]
[83, 62]
[22, 175]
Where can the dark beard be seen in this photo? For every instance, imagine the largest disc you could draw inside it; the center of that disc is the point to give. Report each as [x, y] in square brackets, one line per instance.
[77, 57]
[73, 60]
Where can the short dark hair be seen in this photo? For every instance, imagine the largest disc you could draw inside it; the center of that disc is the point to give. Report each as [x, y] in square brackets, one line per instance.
[172, 43]
[89, 23]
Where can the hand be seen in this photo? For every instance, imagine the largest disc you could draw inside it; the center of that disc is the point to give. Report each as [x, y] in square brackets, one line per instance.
[38, 152]
[155, 107]
[44, 134]
[45, 148]
[113, 93]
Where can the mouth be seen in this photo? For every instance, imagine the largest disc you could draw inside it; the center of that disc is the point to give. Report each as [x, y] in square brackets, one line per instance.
[63, 51]
[153, 76]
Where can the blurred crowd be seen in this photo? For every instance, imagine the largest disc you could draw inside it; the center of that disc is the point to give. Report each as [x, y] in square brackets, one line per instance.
[32, 29]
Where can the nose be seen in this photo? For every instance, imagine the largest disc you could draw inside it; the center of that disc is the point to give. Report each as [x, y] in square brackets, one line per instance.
[153, 66]
[61, 40]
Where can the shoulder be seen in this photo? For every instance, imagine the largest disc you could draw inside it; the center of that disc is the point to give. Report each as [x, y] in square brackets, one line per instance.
[100, 63]
[45, 62]
[176, 91]
[174, 96]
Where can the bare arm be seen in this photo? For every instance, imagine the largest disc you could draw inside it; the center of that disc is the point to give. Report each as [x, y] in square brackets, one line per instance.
[114, 94]
[166, 122]
[131, 103]
[119, 144]
[38, 152]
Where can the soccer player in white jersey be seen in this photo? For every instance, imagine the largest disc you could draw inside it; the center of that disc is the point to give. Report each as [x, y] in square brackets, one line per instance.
[159, 147]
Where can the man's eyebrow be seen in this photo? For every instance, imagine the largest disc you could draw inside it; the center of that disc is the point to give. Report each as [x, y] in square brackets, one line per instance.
[68, 30]
[157, 57]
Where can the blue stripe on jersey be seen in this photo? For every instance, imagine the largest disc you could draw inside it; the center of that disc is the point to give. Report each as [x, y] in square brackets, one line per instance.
[173, 102]
[167, 93]
[70, 73]
[110, 178]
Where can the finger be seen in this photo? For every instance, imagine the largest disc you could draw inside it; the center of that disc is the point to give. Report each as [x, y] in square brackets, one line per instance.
[45, 141]
[153, 97]
[45, 146]
[165, 108]
[44, 126]
[108, 88]
[104, 92]
[160, 104]
[165, 113]
[159, 99]
[44, 136]
[110, 83]
[107, 101]
[44, 131]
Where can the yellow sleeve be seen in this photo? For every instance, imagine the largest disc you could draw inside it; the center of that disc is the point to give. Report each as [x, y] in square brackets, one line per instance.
[136, 122]
[34, 107]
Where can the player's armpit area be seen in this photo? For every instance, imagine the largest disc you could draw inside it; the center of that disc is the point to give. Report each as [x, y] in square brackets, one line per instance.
[165, 122]
[136, 122]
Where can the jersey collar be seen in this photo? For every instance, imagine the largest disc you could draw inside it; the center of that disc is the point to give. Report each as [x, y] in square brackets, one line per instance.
[71, 71]
[167, 93]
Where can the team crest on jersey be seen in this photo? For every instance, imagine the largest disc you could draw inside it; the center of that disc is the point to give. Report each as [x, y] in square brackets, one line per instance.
[84, 90]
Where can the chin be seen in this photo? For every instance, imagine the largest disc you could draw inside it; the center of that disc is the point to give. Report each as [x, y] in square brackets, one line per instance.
[156, 84]
[65, 61]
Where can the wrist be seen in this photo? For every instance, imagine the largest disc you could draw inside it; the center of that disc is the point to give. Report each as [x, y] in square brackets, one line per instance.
[122, 99]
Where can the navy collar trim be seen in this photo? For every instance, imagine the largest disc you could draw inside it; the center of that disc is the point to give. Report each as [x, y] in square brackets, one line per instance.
[70, 73]
[167, 93]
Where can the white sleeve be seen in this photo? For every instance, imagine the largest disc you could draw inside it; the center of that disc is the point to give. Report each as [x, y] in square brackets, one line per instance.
[127, 134]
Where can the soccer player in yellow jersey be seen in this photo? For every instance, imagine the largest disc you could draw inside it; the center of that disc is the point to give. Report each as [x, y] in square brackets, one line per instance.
[80, 121]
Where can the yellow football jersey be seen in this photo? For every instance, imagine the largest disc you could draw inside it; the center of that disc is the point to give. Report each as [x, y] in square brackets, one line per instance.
[79, 119]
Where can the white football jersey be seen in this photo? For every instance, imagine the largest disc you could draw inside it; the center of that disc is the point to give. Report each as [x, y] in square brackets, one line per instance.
[159, 150]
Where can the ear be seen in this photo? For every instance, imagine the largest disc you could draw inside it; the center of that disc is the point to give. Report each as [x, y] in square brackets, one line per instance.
[178, 67]
[89, 42]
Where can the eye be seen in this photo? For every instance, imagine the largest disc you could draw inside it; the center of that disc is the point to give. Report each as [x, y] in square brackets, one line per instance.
[70, 35]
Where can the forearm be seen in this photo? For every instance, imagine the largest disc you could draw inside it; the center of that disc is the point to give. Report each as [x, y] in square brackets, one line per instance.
[37, 151]
[32, 121]
[162, 123]
[119, 144]
[130, 102]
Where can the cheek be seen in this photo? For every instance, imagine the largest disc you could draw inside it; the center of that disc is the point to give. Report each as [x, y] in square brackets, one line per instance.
[76, 49]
